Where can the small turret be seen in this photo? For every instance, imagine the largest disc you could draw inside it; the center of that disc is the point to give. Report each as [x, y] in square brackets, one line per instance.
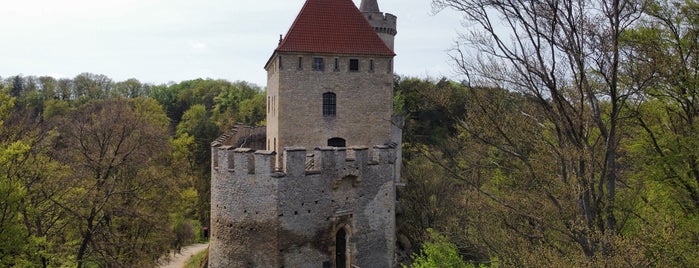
[369, 6]
[384, 24]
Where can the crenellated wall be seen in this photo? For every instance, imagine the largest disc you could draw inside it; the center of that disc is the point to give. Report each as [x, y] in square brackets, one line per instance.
[263, 216]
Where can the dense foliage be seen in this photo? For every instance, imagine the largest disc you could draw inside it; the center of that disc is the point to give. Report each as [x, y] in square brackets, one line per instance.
[95, 173]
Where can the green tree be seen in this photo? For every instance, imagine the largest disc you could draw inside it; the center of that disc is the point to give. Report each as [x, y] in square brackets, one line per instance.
[119, 196]
[196, 123]
[438, 252]
[12, 192]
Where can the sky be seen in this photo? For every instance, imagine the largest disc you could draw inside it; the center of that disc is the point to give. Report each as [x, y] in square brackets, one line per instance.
[161, 41]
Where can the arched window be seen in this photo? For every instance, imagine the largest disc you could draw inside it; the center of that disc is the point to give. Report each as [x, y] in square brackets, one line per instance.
[329, 104]
[341, 248]
[337, 142]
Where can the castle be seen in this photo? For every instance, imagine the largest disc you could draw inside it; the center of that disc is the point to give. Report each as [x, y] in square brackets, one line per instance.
[316, 187]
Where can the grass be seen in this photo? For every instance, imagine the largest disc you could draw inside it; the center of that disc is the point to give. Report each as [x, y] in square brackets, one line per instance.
[196, 259]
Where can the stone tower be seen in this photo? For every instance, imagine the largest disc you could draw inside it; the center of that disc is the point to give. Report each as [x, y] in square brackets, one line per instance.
[320, 189]
[384, 24]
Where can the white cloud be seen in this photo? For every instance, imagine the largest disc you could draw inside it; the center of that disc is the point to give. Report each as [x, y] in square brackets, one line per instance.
[198, 45]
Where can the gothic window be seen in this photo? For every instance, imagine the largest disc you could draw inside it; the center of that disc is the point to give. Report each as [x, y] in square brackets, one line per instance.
[318, 64]
[337, 142]
[354, 65]
[329, 104]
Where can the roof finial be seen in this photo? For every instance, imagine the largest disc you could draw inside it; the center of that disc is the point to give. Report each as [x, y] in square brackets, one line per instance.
[369, 6]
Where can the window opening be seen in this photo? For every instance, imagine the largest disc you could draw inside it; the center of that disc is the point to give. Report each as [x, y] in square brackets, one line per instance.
[354, 65]
[337, 142]
[371, 66]
[300, 67]
[337, 65]
[318, 64]
[329, 104]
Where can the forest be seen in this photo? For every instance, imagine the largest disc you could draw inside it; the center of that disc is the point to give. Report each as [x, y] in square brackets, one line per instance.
[571, 141]
[97, 173]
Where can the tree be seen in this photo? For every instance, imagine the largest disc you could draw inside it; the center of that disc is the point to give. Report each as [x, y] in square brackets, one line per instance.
[92, 86]
[666, 51]
[196, 123]
[438, 252]
[564, 57]
[118, 195]
[12, 192]
[663, 54]
[131, 88]
[17, 86]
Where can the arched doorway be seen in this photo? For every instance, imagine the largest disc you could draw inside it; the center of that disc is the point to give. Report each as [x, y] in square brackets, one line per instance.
[341, 249]
[337, 142]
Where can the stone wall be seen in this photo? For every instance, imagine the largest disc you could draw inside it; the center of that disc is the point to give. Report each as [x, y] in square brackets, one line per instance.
[263, 218]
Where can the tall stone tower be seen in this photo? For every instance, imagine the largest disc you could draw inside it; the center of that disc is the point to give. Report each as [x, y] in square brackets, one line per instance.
[322, 192]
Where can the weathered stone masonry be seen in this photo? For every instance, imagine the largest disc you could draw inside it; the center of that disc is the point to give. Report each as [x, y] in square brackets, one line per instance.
[262, 217]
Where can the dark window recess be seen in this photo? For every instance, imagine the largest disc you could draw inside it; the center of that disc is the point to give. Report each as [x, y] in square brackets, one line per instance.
[337, 142]
[337, 65]
[354, 65]
[341, 248]
[371, 65]
[300, 67]
[329, 104]
[318, 64]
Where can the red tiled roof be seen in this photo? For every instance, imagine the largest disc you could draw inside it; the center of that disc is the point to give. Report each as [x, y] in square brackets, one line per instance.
[334, 27]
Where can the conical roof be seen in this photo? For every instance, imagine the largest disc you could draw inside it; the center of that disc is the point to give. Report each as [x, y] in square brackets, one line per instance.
[333, 27]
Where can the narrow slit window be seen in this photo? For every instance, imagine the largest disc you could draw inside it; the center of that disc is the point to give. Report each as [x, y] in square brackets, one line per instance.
[300, 66]
[371, 66]
[337, 65]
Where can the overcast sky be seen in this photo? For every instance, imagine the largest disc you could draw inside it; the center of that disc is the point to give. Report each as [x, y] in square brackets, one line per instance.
[158, 41]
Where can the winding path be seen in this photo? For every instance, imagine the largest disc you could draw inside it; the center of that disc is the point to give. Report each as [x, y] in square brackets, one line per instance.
[179, 260]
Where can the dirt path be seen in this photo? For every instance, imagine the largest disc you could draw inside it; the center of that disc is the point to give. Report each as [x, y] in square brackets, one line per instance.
[179, 260]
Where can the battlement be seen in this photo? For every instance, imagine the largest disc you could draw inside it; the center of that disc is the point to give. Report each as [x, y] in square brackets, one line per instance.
[383, 22]
[296, 161]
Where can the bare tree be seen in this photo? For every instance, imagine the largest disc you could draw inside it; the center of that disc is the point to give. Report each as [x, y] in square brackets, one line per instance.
[564, 57]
